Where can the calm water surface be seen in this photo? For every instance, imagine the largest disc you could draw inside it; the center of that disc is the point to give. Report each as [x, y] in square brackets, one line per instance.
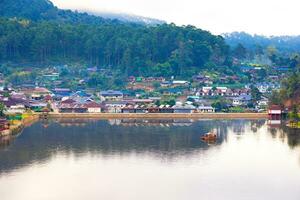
[161, 159]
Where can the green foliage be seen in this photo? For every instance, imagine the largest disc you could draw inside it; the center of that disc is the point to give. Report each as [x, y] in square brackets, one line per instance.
[240, 52]
[2, 109]
[255, 94]
[161, 50]
[220, 105]
[290, 91]
[294, 115]
[275, 98]
[236, 109]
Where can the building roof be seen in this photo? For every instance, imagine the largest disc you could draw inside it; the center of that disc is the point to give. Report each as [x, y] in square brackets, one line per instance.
[111, 93]
[92, 105]
[275, 107]
[68, 101]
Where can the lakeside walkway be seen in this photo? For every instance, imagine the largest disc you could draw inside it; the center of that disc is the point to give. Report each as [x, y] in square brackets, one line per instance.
[161, 115]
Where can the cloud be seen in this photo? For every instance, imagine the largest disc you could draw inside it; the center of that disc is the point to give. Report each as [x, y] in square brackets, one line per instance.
[277, 17]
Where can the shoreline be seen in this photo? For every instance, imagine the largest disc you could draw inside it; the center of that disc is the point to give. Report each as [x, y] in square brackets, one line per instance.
[16, 128]
[160, 115]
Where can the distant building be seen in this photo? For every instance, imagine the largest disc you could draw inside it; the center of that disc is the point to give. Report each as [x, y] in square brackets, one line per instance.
[62, 92]
[184, 109]
[111, 95]
[241, 100]
[93, 107]
[275, 112]
[180, 83]
[205, 109]
[114, 106]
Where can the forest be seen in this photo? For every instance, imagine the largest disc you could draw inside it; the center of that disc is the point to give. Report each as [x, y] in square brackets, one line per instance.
[133, 49]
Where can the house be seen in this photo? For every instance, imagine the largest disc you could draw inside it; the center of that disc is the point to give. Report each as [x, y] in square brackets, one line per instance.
[15, 106]
[172, 91]
[180, 83]
[165, 84]
[205, 109]
[114, 106]
[36, 93]
[61, 92]
[37, 106]
[267, 87]
[93, 107]
[263, 102]
[17, 95]
[241, 100]
[203, 79]
[72, 108]
[139, 101]
[210, 91]
[16, 109]
[221, 91]
[153, 109]
[51, 77]
[275, 112]
[81, 94]
[111, 95]
[128, 109]
[184, 108]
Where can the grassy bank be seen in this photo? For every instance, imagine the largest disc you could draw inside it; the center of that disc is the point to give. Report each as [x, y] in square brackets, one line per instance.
[16, 126]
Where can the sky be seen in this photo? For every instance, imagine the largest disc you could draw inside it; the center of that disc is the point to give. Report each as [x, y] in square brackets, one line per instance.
[266, 17]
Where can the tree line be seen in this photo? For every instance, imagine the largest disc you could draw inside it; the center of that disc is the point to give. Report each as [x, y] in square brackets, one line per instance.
[133, 49]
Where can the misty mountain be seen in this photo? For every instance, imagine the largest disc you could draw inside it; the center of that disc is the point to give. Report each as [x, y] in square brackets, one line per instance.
[282, 43]
[128, 18]
[39, 10]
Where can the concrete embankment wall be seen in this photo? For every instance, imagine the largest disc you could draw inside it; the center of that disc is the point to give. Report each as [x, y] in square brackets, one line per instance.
[161, 115]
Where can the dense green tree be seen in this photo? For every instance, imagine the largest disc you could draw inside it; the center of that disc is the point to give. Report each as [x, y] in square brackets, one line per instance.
[240, 51]
[2, 109]
[133, 49]
[255, 94]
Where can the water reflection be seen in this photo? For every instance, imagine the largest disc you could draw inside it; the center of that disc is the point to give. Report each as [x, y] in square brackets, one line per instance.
[251, 159]
[165, 139]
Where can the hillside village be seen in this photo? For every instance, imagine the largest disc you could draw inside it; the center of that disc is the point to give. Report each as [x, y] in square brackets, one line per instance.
[50, 91]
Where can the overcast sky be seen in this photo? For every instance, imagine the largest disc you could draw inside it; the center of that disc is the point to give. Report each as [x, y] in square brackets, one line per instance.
[268, 17]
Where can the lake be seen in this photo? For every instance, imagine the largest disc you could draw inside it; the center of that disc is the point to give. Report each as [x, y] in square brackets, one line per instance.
[151, 159]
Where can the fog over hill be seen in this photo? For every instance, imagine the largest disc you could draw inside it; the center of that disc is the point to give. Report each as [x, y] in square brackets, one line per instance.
[131, 18]
[282, 43]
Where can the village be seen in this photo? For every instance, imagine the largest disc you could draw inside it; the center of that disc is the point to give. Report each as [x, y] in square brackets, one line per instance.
[58, 90]
[141, 95]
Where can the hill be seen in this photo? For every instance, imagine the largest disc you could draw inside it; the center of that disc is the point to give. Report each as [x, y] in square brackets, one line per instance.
[127, 18]
[42, 33]
[38, 10]
[282, 43]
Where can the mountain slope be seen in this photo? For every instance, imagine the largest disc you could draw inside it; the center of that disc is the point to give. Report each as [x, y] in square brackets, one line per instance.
[282, 43]
[37, 10]
[128, 18]
[132, 49]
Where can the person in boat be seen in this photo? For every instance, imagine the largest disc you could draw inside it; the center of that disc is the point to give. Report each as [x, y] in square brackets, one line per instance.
[209, 136]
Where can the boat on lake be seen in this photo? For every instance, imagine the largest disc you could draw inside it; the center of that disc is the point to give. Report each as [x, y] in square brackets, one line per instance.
[209, 137]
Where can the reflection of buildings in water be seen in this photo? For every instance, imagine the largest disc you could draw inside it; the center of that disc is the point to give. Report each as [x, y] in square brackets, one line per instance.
[279, 130]
[156, 122]
[114, 122]
[257, 124]
[274, 123]
[71, 122]
[5, 141]
[293, 136]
